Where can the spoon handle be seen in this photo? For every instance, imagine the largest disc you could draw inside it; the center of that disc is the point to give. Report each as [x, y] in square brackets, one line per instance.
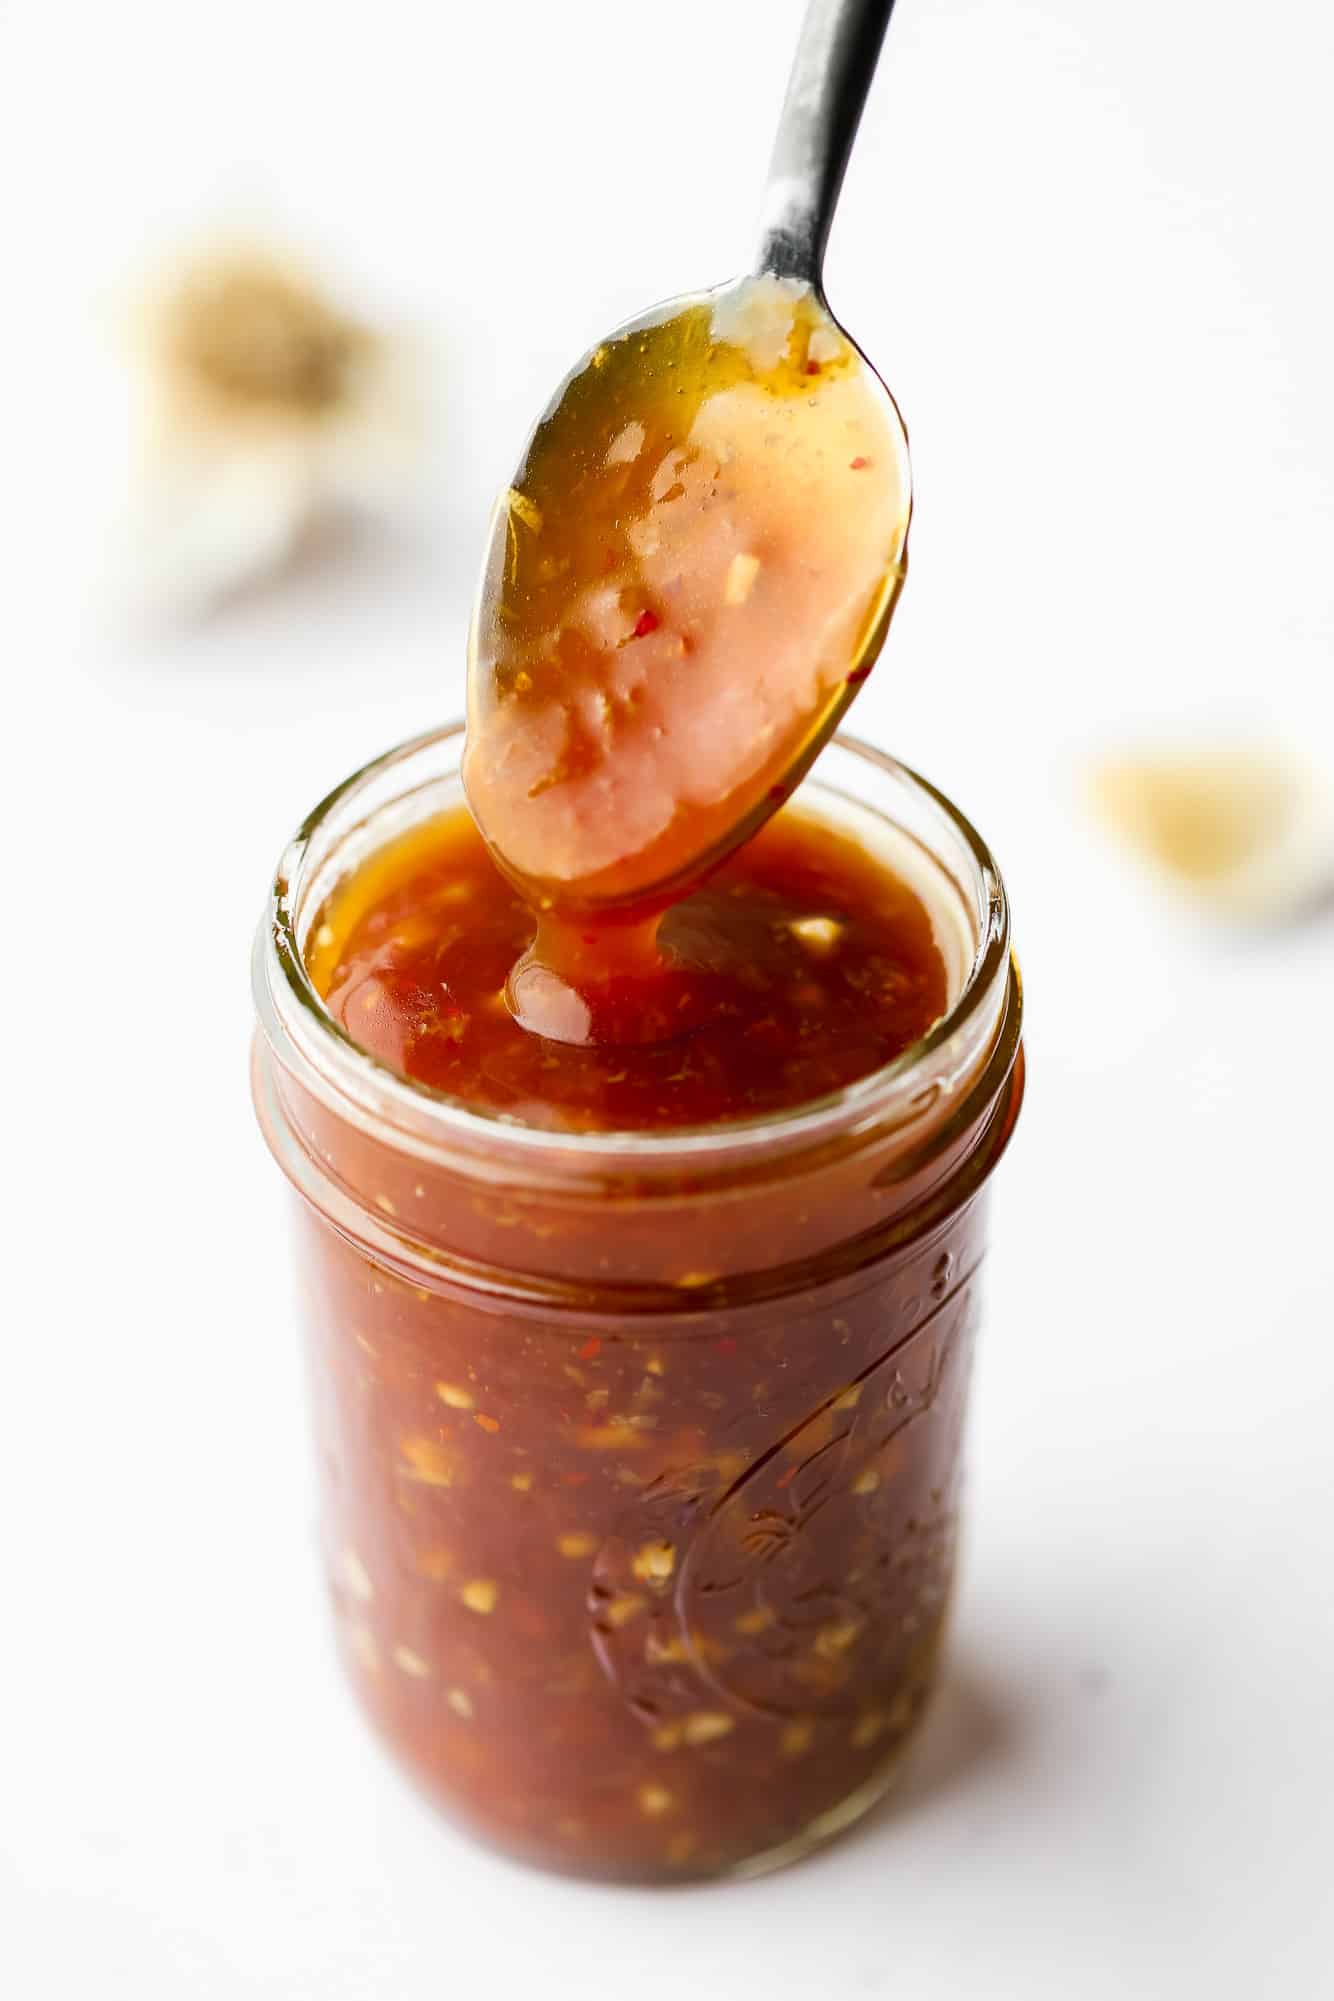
[831, 74]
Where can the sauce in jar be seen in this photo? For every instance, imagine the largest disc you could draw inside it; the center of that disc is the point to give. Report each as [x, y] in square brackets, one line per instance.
[801, 965]
[640, 1374]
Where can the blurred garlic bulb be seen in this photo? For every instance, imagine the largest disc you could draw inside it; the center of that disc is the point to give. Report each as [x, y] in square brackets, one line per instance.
[266, 409]
[1246, 830]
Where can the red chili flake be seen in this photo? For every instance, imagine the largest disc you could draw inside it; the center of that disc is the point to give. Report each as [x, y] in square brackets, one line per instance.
[857, 676]
[812, 368]
[778, 792]
[591, 1348]
[858, 463]
[573, 1479]
[786, 1479]
[727, 1346]
[588, 937]
[487, 1423]
[648, 621]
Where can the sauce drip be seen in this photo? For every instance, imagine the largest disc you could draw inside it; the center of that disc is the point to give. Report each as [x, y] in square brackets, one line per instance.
[801, 965]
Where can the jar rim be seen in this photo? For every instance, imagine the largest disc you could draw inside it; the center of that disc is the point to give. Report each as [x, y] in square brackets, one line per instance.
[295, 1021]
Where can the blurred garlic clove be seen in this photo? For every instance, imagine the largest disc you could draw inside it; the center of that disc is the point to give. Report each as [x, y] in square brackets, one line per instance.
[1245, 830]
[266, 409]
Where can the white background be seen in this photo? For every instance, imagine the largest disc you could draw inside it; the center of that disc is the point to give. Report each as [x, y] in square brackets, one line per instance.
[1089, 247]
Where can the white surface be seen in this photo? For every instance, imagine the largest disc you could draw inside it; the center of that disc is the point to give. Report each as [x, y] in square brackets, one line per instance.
[1089, 246]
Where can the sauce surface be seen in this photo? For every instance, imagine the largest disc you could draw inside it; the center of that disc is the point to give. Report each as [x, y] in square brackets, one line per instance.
[689, 578]
[800, 966]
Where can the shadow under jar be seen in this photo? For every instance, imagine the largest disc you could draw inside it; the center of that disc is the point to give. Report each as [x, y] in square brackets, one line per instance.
[640, 1453]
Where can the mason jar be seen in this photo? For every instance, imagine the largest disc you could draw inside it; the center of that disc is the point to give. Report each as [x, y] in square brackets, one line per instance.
[639, 1453]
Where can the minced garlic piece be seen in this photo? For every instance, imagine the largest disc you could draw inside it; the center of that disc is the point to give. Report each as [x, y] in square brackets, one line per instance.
[833, 1640]
[411, 1663]
[758, 316]
[868, 1728]
[479, 1594]
[654, 1800]
[460, 1702]
[796, 1738]
[621, 1610]
[654, 1563]
[455, 1396]
[867, 1482]
[705, 1726]
[356, 1576]
[750, 1623]
[521, 1481]
[431, 1463]
[626, 446]
[825, 344]
[576, 1543]
[819, 934]
[619, 1436]
[658, 1652]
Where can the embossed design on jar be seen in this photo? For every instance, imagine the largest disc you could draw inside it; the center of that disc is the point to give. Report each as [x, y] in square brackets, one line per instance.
[818, 1577]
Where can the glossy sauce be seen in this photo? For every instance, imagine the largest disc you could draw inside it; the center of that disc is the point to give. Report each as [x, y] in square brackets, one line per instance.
[801, 965]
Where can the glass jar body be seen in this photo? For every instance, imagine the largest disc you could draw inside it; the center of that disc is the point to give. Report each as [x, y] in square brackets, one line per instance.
[640, 1462]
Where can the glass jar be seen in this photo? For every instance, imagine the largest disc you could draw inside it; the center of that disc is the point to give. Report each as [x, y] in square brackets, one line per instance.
[640, 1453]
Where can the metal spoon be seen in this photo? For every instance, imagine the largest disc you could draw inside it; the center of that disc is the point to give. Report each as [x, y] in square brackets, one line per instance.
[696, 564]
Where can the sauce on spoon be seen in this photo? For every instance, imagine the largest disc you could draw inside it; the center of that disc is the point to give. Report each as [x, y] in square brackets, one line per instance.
[691, 575]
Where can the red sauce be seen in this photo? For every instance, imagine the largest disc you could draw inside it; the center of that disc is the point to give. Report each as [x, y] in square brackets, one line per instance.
[801, 965]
